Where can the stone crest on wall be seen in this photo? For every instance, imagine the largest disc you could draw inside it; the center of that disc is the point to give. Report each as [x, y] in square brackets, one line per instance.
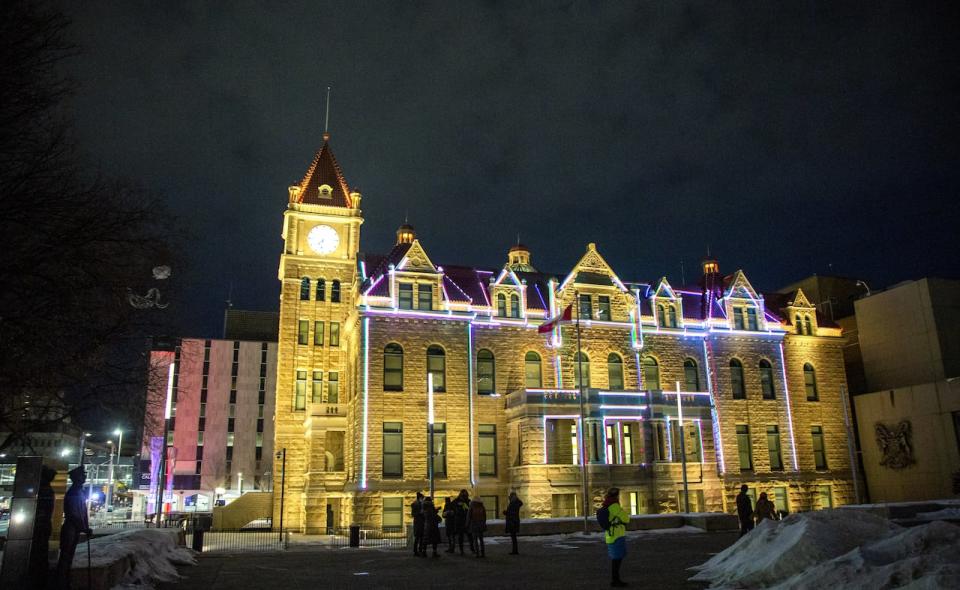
[895, 444]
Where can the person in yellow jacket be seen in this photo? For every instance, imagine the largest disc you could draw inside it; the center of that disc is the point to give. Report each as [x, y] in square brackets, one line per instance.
[615, 536]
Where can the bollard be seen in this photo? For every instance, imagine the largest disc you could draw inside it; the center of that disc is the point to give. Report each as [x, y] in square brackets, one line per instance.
[354, 535]
[198, 540]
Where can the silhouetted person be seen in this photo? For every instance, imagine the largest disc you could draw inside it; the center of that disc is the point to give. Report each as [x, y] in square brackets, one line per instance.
[478, 524]
[416, 511]
[744, 511]
[432, 526]
[462, 513]
[450, 523]
[42, 528]
[765, 508]
[512, 516]
[74, 524]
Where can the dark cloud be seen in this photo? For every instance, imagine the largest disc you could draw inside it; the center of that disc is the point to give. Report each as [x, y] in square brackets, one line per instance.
[788, 138]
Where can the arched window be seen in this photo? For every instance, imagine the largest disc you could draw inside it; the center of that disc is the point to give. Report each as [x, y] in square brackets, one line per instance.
[532, 370]
[393, 367]
[501, 305]
[766, 379]
[321, 290]
[661, 316]
[651, 373]
[305, 289]
[810, 383]
[798, 322]
[614, 372]
[673, 316]
[437, 366]
[486, 378]
[807, 325]
[581, 363]
[335, 292]
[736, 379]
[691, 375]
[514, 306]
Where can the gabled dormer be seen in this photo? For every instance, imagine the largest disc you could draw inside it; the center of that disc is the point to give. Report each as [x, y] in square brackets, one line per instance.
[415, 281]
[598, 291]
[742, 304]
[507, 294]
[666, 305]
[801, 314]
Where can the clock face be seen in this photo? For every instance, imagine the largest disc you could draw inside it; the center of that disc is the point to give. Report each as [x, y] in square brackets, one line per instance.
[323, 239]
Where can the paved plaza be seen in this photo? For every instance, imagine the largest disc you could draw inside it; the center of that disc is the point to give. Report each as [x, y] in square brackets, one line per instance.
[657, 559]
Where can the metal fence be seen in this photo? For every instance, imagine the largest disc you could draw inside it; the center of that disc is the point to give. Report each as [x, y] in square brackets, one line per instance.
[239, 540]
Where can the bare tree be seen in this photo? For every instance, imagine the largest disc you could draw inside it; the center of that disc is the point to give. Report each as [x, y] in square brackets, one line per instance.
[75, 246]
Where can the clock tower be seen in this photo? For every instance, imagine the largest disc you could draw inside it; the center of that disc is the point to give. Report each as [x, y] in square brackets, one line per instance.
[318, 276]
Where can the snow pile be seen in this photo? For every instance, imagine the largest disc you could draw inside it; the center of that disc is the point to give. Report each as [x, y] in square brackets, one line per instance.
[151, 555]
[778, 550]
[838, 548]
[945, 514]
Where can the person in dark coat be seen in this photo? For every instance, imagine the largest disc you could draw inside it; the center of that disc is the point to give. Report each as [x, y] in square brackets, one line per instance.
[478, 524]
[432, 522]
[765, 508]
[42, 529]
[744, 511]
[512, 524]
[416, 511]
[462, 511]
[75, 523]
[450, 523]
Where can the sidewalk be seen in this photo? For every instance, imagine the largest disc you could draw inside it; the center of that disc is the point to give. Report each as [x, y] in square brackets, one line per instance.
[655, 559]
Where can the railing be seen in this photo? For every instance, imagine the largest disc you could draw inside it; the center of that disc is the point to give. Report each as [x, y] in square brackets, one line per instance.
[340, 537]
[239, 540]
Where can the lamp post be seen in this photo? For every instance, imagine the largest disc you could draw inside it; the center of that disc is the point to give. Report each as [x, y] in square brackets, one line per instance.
[240, 483]
[167, 413]
[430, 431]
[683, 453]
[119, 433]
[283, 485]
[109, 498]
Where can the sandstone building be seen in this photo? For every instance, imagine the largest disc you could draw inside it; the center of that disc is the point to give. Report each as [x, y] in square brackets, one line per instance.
[761, 376]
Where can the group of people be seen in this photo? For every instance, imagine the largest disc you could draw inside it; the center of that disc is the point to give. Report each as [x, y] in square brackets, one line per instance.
[462, 517]
[750, 516]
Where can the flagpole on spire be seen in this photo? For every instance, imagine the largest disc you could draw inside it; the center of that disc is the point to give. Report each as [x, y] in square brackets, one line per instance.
[583, 419]
[326, 119]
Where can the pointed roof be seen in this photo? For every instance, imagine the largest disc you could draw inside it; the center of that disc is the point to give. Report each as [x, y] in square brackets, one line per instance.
[324, 170]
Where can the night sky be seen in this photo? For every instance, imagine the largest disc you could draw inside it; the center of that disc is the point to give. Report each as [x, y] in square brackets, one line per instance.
[820, 137]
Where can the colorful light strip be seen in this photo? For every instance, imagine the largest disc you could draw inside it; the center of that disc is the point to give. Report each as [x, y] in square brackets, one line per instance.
[786, 393]
[473, 479]
[714, 413]
[366, 397]
[623, 407]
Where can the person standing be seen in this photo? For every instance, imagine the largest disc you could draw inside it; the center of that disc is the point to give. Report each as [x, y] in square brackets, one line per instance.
[75, 523]
[765, 508]
[432, 522]
[416, 511]
[512, 516]
[42, 528]
[615, 534]
[744, 511]
[462, 505]
[450, 523]
[478, 524]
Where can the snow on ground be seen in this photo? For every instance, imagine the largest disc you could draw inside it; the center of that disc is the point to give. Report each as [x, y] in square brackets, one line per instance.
[946, 513]
[839, 548]
[153, 555]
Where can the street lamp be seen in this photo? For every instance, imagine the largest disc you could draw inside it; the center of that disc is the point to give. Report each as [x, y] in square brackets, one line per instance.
[283, 481]
[119, 433]
[240, 483]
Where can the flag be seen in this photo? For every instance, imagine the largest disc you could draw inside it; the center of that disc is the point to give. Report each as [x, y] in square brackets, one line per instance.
[566, 316]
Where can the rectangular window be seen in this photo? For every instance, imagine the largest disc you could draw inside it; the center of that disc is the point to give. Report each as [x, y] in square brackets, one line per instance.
[563, 505]
[824, 497]
[773, 446]
[230, 440]
[738, 318]
[392, 449]
[425, 297]
[611, 432]
[743, 447]
[317, 335]
[230, 422]
[392, 514]
[603, 308]
[586, 308]
[633, 502]
[393, 368]
[780, 500]
[488, 449]
[405, 295]
[333, 387]
[627, 444]
[492, 505]
[303, 332]
[819, 451]
[439, 449]
[691, 433]
[334, 333]
[752, 318]
[259, 439]
[203, 411]
[300, 391]
[316, 392]
[200, 439]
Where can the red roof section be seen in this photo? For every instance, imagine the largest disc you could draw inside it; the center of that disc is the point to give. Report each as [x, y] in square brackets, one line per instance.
[324, 170]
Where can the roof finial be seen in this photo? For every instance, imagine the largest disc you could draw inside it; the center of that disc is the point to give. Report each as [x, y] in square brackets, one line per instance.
[518, 238]
[326, 120]
[406, 216]
[708, 250]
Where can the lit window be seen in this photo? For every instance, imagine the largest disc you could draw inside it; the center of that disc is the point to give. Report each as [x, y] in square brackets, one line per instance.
[603, 308]
[300, 391]
[439, 449]
[487, 446]
[486, 378]
[532, 370]
[614, 372]
[303, 332]
[514, 306]
[405, 298]
[316, 395]
[586, 307]
[334, 333]
[318, 333]
[810, 383]
[392, 449]
[691, 375]
[437, 366]
[392, 514]
[743, 447]
[736, 379]
[333, 387]
[651, 373]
